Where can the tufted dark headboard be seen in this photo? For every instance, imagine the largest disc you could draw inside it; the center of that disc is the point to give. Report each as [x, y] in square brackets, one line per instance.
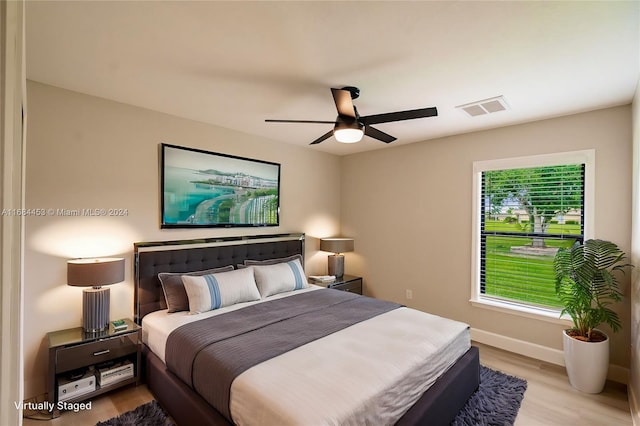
[150, 258]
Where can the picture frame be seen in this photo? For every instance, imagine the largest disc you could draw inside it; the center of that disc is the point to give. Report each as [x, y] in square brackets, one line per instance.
[204, 189]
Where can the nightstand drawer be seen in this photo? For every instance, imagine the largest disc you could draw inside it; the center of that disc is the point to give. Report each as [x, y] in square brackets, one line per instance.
[354, 286]
[95, 352]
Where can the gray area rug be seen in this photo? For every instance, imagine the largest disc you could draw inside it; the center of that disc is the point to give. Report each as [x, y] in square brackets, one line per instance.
[149, 414]
[495, 403]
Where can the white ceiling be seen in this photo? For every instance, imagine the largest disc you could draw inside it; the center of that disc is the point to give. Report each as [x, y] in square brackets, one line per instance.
[234, 64]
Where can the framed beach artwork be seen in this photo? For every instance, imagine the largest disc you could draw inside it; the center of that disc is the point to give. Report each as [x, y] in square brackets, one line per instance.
[207, 189]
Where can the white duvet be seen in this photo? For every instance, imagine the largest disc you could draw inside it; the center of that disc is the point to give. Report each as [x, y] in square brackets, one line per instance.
[368, 374]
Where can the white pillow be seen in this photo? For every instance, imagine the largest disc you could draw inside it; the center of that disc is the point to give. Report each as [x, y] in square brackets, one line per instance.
[213, 291]
[173, 288]
[278, 278]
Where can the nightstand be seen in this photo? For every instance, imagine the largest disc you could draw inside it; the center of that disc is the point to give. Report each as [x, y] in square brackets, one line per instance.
[76, 359]
[346, 282]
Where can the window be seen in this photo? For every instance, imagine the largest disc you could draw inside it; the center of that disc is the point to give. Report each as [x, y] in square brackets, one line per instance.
[525, 210]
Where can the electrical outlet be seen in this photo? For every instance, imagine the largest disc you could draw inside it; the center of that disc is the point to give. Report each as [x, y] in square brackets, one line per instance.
[409, 294]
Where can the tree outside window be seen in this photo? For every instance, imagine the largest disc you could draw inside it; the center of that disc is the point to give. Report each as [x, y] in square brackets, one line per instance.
[526, 214]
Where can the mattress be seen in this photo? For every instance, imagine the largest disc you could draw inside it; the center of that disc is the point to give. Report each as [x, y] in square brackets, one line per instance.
[369, 373]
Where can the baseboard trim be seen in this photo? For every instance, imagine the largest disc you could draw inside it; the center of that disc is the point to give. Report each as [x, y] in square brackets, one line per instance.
[542, 353]
[633, 405]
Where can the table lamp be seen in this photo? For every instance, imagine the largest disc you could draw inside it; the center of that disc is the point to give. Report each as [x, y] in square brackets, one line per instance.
[336, 260]
[95, 273]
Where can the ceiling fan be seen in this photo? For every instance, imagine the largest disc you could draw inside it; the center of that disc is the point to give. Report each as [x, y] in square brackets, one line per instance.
[349, 126]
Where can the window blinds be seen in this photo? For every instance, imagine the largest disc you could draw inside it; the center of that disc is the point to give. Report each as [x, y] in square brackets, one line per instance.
[527, 214]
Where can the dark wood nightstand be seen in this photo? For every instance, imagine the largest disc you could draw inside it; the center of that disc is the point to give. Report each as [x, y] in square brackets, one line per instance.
[73, 352]
[346, 282]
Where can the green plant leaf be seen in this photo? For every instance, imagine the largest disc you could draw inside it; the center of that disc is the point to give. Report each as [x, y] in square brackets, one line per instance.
[587, 285]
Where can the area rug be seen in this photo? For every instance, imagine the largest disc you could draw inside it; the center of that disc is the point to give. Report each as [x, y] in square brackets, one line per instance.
[149, 414]
[495, 403]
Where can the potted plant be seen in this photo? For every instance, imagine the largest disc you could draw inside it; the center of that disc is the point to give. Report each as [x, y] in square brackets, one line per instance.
[587, 286]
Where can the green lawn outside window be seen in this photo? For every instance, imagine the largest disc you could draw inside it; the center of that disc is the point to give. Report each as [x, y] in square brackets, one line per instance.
[522, 278]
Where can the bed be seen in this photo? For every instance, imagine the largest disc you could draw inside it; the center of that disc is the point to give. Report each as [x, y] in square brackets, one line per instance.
[334, 371]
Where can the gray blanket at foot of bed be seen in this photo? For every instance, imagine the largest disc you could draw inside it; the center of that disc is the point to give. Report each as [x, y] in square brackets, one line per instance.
[209, 354]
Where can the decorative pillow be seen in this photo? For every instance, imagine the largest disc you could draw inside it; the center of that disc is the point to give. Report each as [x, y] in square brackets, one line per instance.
[249, 262]
[278, 278]
[214, 291]
[174, 292]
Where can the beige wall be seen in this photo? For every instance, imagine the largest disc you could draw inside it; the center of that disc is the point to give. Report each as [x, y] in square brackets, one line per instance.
[409, 209]
[634, 384]
[87, 152]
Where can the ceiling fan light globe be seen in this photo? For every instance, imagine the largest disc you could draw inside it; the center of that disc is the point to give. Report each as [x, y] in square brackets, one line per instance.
[348, 135]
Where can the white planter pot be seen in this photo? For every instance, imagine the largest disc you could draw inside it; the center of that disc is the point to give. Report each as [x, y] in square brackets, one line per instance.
[587, 363]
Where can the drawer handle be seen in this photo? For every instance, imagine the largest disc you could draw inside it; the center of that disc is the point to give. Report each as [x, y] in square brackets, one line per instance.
[106, 351]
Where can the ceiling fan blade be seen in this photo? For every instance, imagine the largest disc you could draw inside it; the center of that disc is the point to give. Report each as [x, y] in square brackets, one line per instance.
[301, 121]
[400, 115]
[377, 134]
[323, 137]
[344, 103]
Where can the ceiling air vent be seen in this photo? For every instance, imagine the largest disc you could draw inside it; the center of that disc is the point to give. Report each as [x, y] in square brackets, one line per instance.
[486, 106]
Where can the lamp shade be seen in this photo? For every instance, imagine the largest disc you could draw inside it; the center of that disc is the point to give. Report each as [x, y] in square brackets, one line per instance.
[336, 245]
[95, 272]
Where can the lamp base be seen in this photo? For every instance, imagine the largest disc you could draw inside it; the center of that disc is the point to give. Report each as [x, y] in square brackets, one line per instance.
[336, 264]
[95, 309]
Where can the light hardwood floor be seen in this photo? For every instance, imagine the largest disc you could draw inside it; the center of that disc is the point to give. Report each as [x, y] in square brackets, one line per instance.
[102, 408]
[548, 401]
